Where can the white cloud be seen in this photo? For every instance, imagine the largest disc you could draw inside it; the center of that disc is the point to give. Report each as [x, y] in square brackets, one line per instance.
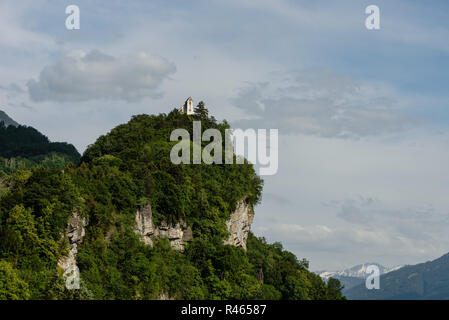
[422, 225]
[383, 199]
[324, 104]
[82, 76]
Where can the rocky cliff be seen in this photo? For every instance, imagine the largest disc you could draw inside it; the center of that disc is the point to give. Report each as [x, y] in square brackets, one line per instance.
[75, 235]
[238, 225]
[177, 234]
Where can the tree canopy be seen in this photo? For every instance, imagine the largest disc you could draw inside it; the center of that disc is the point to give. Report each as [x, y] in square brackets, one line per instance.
[25, 147]
[122, 171]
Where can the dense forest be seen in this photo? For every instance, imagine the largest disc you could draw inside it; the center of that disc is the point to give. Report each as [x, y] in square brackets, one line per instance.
[25, 147]
[122, 171]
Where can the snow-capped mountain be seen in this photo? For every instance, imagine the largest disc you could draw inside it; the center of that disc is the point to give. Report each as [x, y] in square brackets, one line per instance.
[358, 271]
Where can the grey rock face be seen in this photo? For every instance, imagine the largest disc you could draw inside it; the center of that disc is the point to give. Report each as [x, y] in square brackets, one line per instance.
[239, 224]
[177, 234]
[75, 235]
[165, 296]
[144, 224]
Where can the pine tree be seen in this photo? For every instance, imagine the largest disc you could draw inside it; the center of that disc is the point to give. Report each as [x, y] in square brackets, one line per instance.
[201, 112]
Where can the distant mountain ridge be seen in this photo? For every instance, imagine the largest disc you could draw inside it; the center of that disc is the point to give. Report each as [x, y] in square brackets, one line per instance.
[358, 271]
[7, 120]
[353, 276]
[25, 147]
[429, 280]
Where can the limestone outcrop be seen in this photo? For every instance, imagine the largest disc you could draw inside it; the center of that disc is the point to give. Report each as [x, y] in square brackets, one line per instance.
[239, 224]
[75, 235]
[177, 234]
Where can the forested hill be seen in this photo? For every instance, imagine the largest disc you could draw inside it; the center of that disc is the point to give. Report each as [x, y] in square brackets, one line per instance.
[424, 281]
[25, 147]
[126, 172]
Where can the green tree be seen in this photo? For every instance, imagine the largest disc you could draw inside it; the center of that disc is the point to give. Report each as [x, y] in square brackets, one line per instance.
[11, 286]
[334, 288]
[20, 235]
[201, 112]
[123, 170]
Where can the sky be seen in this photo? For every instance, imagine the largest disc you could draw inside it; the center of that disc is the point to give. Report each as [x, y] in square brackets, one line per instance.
[363, 115]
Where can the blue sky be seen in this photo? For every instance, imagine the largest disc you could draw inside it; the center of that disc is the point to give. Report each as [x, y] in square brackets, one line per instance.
[362, 115]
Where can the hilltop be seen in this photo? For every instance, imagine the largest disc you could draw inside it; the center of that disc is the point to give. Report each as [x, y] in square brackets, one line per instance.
[139, 227]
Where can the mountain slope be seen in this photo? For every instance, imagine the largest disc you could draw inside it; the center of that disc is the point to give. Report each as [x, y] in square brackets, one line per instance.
[429, 280]
[25, 147]
[7, 120]
[86, 216]
[353, 276]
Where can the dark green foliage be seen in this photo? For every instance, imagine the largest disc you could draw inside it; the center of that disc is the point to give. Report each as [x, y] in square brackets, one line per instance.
[284, 276]
[11, 286]
[195, 193]
[123, 170]
[349, 282]
[33, 216]
[334, 289]
[25, 147]
[201, 112]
